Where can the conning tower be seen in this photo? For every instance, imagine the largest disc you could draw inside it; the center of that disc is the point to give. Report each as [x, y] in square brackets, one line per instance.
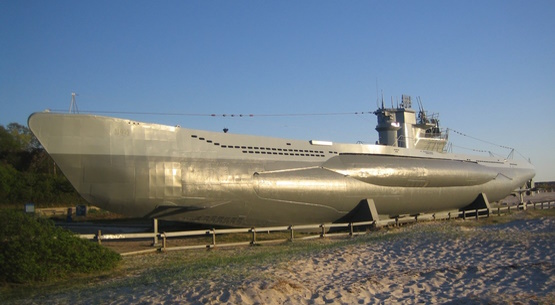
[399, 127]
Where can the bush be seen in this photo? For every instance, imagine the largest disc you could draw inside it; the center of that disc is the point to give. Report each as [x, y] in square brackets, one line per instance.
[33, 249]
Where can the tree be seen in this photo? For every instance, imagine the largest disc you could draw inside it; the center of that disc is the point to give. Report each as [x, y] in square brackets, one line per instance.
[8, 176]
[20, 148]
[23, 137]
[7, 143]
[28, 173]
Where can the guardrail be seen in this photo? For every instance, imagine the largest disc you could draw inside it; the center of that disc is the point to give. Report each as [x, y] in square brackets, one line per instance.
[318, 230]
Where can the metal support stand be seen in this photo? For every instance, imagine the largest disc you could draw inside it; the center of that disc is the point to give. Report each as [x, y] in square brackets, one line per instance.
[364, 211]
[481, 202]
[372, 211]
[521, 203]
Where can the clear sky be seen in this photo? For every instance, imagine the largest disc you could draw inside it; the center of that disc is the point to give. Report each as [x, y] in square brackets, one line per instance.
[488, 67]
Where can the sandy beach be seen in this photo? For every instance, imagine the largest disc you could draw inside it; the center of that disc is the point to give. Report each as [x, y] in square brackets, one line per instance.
[510, 261]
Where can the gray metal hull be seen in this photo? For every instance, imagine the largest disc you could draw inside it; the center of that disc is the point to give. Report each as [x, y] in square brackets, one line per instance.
[142, 169]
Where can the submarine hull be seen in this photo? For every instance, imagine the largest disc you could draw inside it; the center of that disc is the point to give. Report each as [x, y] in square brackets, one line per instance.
[151, 170]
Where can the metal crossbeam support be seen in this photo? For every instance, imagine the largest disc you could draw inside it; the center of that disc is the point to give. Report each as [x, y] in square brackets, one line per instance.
[481, 202]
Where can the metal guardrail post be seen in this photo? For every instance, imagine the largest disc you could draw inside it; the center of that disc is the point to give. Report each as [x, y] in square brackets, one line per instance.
[292, 233]
[155, 225]
[164, 241]
[323, 234]
[477, 214]
[351, 229]
[99, 237]
[253, 241]
[213, 237]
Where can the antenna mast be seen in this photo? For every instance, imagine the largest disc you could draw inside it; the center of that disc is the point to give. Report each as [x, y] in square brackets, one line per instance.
[73, 105]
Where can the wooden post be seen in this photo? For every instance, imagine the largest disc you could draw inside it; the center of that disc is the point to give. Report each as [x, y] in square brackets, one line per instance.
[99, 237]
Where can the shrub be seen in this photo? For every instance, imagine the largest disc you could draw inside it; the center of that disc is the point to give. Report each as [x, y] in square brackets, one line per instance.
[33, 249]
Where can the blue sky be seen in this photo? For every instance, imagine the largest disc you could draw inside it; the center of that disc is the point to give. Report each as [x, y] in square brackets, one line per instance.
[488, 67]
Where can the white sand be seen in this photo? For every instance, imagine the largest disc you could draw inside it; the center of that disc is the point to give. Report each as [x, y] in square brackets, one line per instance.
[426, 263]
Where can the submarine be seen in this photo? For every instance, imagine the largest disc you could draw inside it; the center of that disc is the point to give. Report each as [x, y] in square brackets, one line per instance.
[151, 170]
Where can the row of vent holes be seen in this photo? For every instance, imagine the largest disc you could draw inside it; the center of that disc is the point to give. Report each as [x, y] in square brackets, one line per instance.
[281, 153]
[266, 148]
[275, 149]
